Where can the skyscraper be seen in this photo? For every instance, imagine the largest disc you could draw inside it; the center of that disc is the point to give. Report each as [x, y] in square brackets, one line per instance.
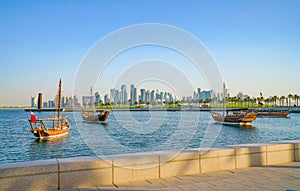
[123, 96]
[147, 96]
[117, 97]
[97, 98]
[106, 99]
[112, 95]
[199, 93]
[152, 97]
[40, 101]
[33, 101]
[142, 95]
[133, 94]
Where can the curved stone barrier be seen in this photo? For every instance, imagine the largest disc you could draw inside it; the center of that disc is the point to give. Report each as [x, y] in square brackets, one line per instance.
[90, 171]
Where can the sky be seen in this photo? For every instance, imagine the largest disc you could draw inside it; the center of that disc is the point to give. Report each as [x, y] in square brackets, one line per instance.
[254, 43]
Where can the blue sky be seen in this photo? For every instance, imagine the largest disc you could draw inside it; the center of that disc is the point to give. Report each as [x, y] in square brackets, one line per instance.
[255, 43]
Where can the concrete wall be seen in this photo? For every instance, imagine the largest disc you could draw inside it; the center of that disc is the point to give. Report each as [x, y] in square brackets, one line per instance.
[90, 171]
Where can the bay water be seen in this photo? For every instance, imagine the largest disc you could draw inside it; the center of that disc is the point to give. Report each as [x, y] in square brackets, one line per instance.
[131, 132]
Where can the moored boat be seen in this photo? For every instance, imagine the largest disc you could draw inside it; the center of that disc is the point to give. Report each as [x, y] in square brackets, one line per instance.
[94, 115]
[233, 116]
[100, 115]
[273, 113]
[240, 118]
[50, 127]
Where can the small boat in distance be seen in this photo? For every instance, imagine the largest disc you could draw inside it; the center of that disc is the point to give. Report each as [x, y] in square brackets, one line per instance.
[233, 116]
[97, 115]
[273, 113]
[94, 115]
[50, 127]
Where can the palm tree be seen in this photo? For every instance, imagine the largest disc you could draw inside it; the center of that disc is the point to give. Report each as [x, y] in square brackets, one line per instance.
[290, 96]
[275, 98]
[254, 99]
[282, 98]
[296, 99]
[247, 100]
[272, 100]
[200, 101]
[267, 101]
[238, 99]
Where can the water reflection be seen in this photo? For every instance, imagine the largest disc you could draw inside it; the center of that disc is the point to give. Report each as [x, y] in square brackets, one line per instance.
[96, 123]
[47, 148]
[52, 140]
[247, 126]
[242, 126]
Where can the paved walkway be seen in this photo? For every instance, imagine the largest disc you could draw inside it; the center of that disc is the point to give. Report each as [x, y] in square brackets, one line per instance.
[283, 177]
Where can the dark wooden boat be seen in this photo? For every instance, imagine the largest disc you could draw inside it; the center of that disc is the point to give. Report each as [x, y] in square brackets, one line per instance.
[240, 118]
[273, 113]
[94, 115]
[100, 115]
[50, 127]
[233, 116]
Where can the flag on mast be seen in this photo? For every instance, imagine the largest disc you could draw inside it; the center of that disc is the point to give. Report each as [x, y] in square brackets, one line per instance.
[32, 117]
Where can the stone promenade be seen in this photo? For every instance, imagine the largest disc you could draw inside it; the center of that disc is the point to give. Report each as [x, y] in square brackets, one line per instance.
[281, 177]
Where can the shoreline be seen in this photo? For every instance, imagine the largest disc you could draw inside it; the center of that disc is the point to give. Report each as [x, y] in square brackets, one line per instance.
[186, 109]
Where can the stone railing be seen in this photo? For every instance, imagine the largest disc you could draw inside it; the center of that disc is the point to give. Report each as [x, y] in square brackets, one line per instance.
[90, 171]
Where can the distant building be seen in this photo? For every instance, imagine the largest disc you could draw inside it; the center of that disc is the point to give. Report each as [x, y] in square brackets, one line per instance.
[51, 103]
[112, 94]
[142, 98]
[133, 94]
[198, 93]
[123, 94]
[106, 99]
[195, 96]
[87, 100]
[33, 101]
[147, 96]
[45, 104]
[40, 101]
[158, 97]
[152, 97]
[75, 101]
[97, 98]
[240, 95]
[117, 97]
[63, 101]
[206, 95]
[68, 100]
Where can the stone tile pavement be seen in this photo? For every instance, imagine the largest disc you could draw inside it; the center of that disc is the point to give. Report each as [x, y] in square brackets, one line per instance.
[282, 177]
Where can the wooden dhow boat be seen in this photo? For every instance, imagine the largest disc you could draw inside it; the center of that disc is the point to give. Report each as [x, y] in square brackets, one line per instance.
[97, 115]
[273, 113]
[94, 115]
[233, 116]
[50, 127]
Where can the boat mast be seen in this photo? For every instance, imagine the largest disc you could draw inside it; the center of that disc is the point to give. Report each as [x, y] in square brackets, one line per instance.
[58, 104]
[224, 100]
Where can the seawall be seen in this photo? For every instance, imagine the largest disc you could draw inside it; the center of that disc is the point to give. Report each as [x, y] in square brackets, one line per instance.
[90, 171]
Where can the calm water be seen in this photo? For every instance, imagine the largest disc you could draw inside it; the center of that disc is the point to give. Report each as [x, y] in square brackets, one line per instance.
[128, 132]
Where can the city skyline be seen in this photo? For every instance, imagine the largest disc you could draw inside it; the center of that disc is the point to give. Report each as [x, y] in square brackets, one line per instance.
[122, 95]
[254, 43]
[135, 96]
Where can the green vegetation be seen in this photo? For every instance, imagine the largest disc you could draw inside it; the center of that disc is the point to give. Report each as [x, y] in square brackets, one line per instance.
[231, 102]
